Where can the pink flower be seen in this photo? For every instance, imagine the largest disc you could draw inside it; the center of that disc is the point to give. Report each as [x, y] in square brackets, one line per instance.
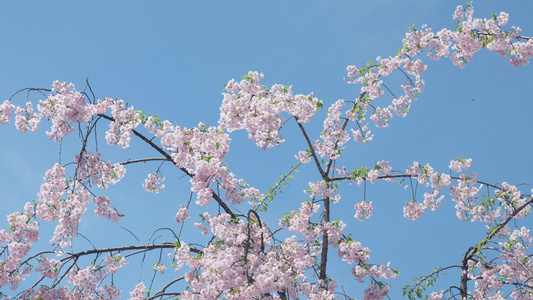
[182, 215]
[364, 210]
[152, 184]
[114, 263]
[502, 19]
[201, 227]
[5, 112]
[161, 268]
[303, 157]
[138, 292]
[413, 210]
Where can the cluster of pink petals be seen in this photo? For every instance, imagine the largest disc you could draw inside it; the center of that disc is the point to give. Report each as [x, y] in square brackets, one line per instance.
[182, 215]
[160, 268]
[471, 35]
[26, 118]
[370, 78]
[256, 108]
[69, 215]
[52, 205]
[333, 136]
[511, 267]
[49, 267]
[153, 184]
[425, 175]
[353, 252]
[85, 281]
[104, 210]
[256, 269]
[96, 172]
[381, 170]
[24, 231]
[364, 210]
[322, 189]
[181, 256]
[107, 292]
[201, 151]
[114, 263]
[375, 292]
[505, 203]
[66, 106]
[459, 164]
[138, 292]
[300, 222]
[126, 119]
[5, 111]
[304, 157]
[465, 194]
[413, 210]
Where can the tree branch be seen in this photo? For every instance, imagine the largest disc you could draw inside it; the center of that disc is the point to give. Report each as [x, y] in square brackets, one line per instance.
[184, 170]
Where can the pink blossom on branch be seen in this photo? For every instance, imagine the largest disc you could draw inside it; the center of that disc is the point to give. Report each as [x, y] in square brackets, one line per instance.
[125, 120]
[182, 215]
[364, 210]
[66, 106]
[138, 292]
[256, 108]
[5, 111]
[26, 118]
[49, 267]
[413, 210]
[153, 184]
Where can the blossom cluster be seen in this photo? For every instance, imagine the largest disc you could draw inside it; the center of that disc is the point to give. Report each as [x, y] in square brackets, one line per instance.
[258, 266]
[333, 136]
[23, 232]
[126, 119]
[66, 106]
[470, 36]
[426, 175]
[95, 172]
[153, 184]
[200, 151]
[256, 108]
[513, 268]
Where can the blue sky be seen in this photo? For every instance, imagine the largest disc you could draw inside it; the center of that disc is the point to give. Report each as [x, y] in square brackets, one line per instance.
[172, 58]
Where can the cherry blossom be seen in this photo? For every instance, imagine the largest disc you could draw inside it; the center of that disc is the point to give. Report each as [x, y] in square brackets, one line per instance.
[241, 256]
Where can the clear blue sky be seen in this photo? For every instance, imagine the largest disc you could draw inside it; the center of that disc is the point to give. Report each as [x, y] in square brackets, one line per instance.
[172, 58]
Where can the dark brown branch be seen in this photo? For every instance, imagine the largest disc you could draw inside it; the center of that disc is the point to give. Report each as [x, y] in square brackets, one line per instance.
[500, 226]
[128, 248]
[325, 242]
[184, 170]
[463, 288]
[164, 294]
[134, 161]
[344, 125]
[162, 291]
[475, 249]
[310, 145]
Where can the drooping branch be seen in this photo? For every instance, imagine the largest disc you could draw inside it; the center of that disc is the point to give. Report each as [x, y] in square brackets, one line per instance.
[127, 248]
[167, 156]
[312, 149]
[409, 176]
[343, 127]
[500, 226]
[162, 293]
[134, 161]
